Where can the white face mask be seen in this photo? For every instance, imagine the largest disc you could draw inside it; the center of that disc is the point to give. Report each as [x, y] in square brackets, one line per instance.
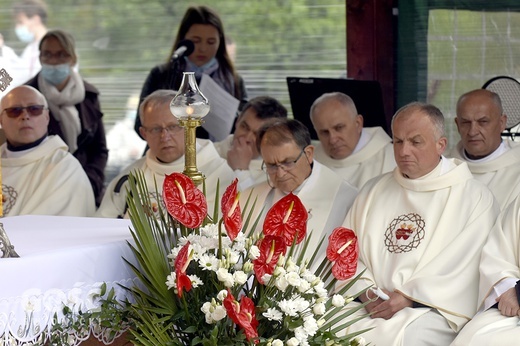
[24, 34]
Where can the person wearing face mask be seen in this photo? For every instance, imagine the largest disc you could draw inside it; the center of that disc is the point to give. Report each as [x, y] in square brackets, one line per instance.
[31, 19]
[204, 28]
[74, 106]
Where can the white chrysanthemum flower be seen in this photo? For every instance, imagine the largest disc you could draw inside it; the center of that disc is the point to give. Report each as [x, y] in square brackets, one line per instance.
[304, 286]
[240, 277]
[254, 252]
[239, 244]
[208, 262]
[288, 307]
[281, 283]
[338, 300]
[293, 278]
[319, 309]
[292, 342]
[225, 277]
[302, 303]
[210, 230]
[310, 325]
[222, 295]
[273, 315]
[301, 334]
[195, 281]
[171, 281]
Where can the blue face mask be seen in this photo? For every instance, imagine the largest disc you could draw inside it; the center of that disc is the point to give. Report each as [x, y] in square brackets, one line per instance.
[55, 74]
[24, 34]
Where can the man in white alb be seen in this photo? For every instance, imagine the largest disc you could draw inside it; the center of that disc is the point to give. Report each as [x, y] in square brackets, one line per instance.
[355, 153]
[492, 160]
[288, 161]
[420, 232]
[165, 139]
[240, 149]
[499, 290]
[39, 175]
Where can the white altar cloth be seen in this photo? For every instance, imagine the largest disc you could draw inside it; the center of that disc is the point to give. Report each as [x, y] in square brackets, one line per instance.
[63, 261]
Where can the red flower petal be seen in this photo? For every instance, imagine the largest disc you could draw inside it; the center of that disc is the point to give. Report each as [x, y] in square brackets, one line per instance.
[231, 210]
[182, 258]
[183, 283]
[242, 314]
[184, 201]
[288, 219]
[271, 247]
[343, 250]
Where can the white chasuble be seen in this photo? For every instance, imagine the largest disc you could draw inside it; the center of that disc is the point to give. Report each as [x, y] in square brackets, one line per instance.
[501, 175]
[500, 262]
[45, 180]
[214, 168]
[374, 158]
[423, 238]
[326, 197]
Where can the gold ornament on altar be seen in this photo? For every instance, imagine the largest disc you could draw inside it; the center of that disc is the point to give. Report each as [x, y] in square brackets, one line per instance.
[189, 106]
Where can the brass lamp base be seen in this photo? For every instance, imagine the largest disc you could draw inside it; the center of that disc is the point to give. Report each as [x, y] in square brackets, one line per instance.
[190, 153]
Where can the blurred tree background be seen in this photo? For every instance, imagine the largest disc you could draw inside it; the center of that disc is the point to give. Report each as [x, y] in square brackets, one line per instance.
[119, 41]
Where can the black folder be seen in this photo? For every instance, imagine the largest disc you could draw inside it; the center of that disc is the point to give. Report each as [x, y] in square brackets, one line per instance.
[366, 95]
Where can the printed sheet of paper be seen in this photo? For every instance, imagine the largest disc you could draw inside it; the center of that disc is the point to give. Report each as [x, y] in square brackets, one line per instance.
[223, 108]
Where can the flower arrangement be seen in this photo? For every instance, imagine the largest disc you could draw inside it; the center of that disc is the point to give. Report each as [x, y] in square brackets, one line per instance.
[214, 283]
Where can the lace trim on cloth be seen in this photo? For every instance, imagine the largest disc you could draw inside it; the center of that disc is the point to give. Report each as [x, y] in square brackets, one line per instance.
[29, 319]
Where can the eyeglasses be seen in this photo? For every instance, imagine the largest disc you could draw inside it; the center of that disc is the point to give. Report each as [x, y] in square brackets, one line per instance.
[158, 130]
[33, 110]
[59, 56]
[285, 166]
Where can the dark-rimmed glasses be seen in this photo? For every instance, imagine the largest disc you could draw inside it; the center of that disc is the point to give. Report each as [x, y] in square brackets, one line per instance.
[272, 168]
[33, 110]
[158, 130]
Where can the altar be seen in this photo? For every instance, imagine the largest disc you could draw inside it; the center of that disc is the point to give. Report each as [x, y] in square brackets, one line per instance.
[63, 262]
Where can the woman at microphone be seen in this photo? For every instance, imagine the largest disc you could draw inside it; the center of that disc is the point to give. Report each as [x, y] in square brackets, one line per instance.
[203, 27]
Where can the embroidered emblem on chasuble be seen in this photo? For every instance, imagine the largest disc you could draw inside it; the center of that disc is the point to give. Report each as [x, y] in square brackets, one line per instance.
[9, 197]
[154, 203]
[404, 233]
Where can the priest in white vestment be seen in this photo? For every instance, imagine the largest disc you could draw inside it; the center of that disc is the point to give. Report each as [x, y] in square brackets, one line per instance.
[498, 317]
[290, 167]
[492, 160]
[165, 139]
[420, 230]
[39, 175]
[355, 153]
[240, 148]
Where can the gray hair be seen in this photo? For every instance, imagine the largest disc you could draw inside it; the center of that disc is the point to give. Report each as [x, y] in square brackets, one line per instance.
[434, 113]
[342, 98]
[157, 98]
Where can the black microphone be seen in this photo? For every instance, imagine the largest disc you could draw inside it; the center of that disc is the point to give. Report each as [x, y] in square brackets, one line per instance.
[184, 48]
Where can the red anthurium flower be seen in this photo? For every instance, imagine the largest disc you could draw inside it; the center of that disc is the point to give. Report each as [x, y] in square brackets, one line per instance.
[242, 314]
[181, 264]
[271, 247]
[231, 210]
[184, 201]
[343, 250]
[288, 219]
